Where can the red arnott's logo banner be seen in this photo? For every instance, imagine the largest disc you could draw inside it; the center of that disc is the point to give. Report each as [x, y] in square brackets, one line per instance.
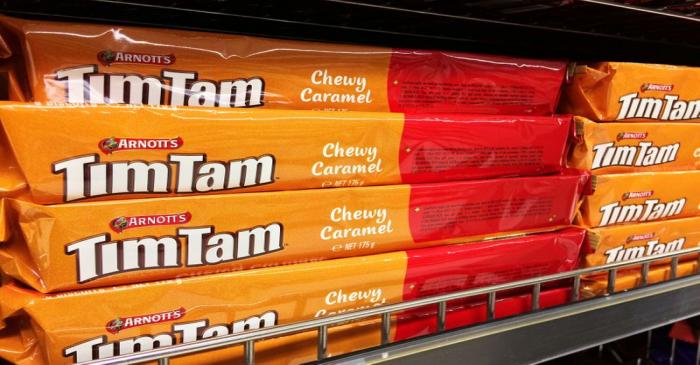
[121, 224]
[647, 86]
[631, 135]
[639, 237]
[109, 145]
[637, 194]
[119, 323]
[109, 57]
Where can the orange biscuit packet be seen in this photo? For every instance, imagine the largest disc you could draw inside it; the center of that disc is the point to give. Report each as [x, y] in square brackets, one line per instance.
[79, 326]
[100, 323]
[70, 154]
[635, 241]
[103, 64]
[634, 92]
[607, 148]
[640, 197]
[302, 348]
[630, 279]
[73, 246]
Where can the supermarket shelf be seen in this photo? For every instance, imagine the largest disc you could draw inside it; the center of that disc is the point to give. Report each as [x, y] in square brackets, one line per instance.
[574, 29]
[532, 337]
[549, 334]
[581, 30]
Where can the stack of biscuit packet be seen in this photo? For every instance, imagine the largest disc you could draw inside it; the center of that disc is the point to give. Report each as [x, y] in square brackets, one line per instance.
[638, 129]
[160, 188]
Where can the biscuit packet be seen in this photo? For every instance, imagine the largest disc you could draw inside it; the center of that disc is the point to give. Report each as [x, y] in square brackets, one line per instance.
[612, 148]
[634, 92]
[302, 348]
[85, 245]
[69, 154]
[104, 64]
[640, 197]
[630, 279]
[635, 241]
[85, 325]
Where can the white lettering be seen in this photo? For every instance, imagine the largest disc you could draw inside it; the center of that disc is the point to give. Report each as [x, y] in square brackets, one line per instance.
[85, 177]
[183, 88]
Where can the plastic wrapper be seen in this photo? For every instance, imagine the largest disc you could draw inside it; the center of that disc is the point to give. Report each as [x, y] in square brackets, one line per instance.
[630, 279]
[72, 154]
[98, 64]
[609, 148]
[460, 313]
[71, 246]
[100, 323]
[301, 348]
[12, 182]
[11, 88]
[640, 197]
[634, 92]
[636, 241]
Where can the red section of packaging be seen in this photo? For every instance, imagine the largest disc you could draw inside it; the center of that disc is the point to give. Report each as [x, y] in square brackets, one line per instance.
[683, 331]
[424, 322]
[440, 211]
[444, 269]
[451, 147]
[488, 84]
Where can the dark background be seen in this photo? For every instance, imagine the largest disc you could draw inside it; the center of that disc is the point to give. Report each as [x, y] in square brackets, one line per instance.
[581, 30]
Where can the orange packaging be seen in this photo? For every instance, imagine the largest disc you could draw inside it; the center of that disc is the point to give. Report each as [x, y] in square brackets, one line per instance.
[102, 64]
[302, 348]
[635, 241]
[100, 323]
[12, 182]
[634, 92]
[74, 246]
[630, 279]
[610, 148]
[72, 154]
[641, 197]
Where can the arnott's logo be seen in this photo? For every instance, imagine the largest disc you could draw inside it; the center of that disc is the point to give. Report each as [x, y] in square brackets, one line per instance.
[631, 135]
[655, 87]
[637, 194]
[123, 223]
[639, 237]
[109, 57]
[112, 144]
[119, 323]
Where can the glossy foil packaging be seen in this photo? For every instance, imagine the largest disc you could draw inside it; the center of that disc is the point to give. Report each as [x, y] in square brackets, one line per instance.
[84, 325]
[70, 154]
[611, 148]
[83, 245]
[82, 63]
[598, 285]
[640, 197]
[462, 313]
[301, 348]
[634, 92]
[635, 241]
